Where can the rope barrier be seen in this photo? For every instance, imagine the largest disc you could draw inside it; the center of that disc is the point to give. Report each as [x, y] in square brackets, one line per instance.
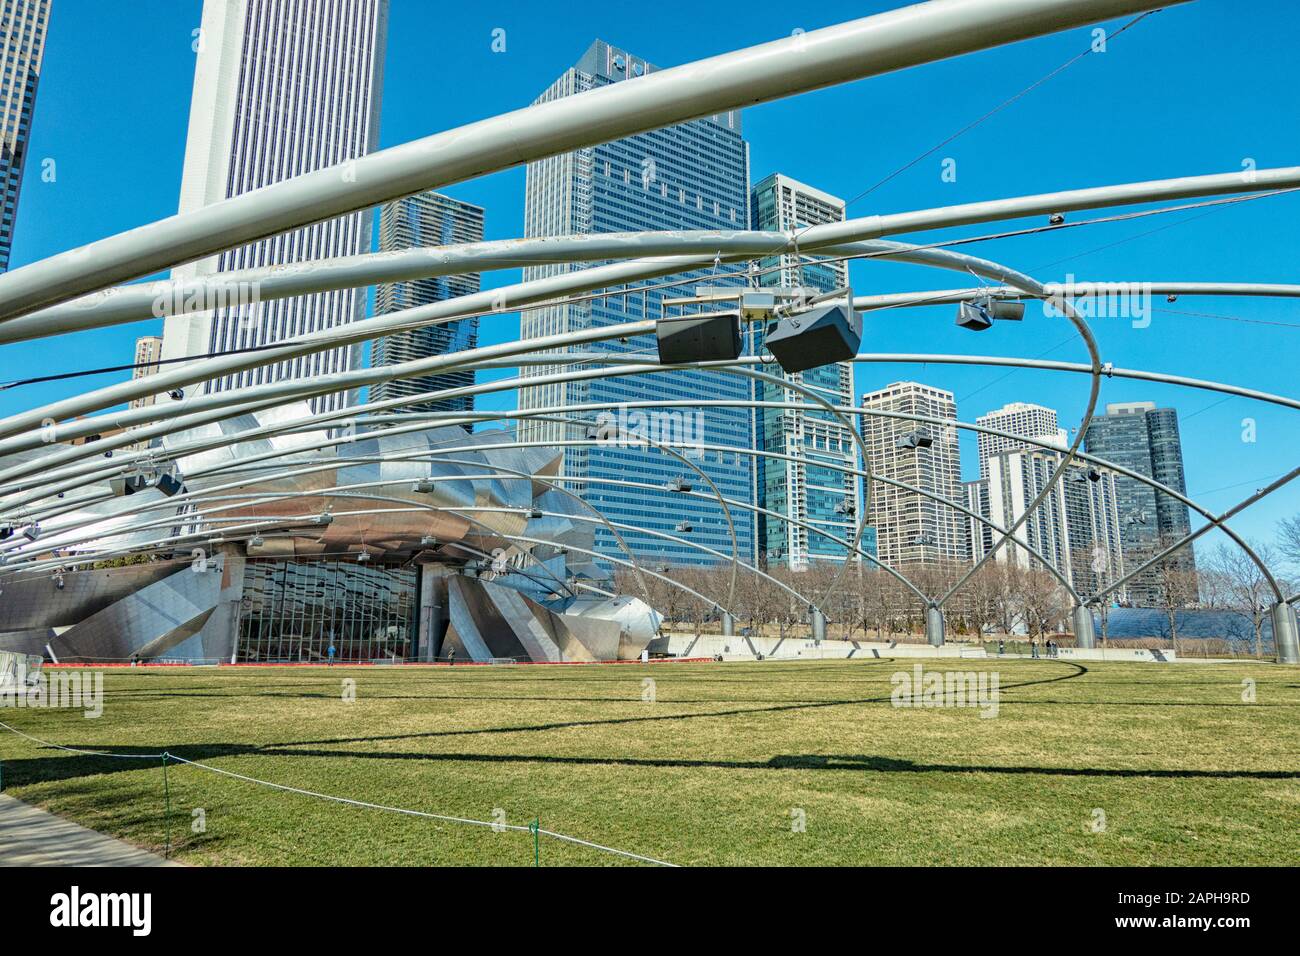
[533, 828]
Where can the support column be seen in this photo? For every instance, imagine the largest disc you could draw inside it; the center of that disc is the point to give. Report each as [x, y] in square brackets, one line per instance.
[1285, 640]
[1085, 635]
[728, 625]
[433, 611]
[934, 625]
[818, 620]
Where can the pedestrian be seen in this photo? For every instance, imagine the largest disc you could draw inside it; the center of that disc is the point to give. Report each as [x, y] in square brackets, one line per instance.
[451, 657]
[331, 653]
[1002, 646]
[1033, 647]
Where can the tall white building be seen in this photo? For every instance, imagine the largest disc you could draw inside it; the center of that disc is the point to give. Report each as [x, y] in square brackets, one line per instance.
[148, 349]
[911, 527]
[1076, 527]
[801, 487]
[23, 27]
[1018, 418]
[281, 88]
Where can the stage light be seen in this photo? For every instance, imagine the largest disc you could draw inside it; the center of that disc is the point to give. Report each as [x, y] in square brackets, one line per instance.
[256, 541]
[846, 507]
[916, 439]
[535, 513]
[32, 531]
[127, 484]
[684, 527]
[1056, 218]
[830, 333]
[974, 316]
[711, 337]
[363, 557]
[679, 485]
[424, 486]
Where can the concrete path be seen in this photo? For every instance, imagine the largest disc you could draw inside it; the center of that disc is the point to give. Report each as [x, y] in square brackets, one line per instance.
[32, 837]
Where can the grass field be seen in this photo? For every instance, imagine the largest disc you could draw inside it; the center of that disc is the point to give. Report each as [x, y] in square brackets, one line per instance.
[715, 771]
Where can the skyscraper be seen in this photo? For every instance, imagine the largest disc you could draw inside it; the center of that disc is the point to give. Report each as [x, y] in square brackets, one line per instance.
[23, 25]
[427, 219]
[1018, 418]
[148, 349]
[910, 527]
[691, 176]
[821, 497]
[1076, 526]
[1145, 439]
[281, 88]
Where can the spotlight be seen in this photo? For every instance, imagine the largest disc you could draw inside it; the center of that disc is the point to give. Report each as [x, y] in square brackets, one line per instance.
[812, 339]
[679, 484]
[923, 539]
[32, 531]
[917, 439]
[324, 518]
[176, 394]
[1056, 218]
[535, 513]
[256, 541]
[684, 527]
[424, 486]
[428, 540]
[363, 557]
[846, 507]
[1171, 298]
[711, 337]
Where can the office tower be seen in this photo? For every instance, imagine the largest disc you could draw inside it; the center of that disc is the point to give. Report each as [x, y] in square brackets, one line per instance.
[1145, 439]
[1018, 418]
[691, 176]
[427, 219]
[281, 88]
[23, 25]
[911, 527]
[148, 349]
[1076, 526]
[816, 497]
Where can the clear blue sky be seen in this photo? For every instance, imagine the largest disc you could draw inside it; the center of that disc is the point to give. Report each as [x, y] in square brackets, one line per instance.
[1195, 89]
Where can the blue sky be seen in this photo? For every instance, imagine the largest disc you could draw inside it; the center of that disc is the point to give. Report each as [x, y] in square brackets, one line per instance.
[1192, 90]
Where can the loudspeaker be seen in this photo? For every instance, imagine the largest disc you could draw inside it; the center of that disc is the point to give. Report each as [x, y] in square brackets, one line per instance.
[713, 337]
[812, 339]
[169, 485]
[974, 316]
[126, 484]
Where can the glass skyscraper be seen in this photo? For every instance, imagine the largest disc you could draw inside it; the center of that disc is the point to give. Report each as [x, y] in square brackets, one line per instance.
[426, 219]
[691, 176]
[1145, 439]
[816, 497]
[23, 26]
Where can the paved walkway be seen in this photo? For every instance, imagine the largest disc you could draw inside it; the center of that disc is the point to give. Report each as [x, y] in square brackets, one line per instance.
[32, 837]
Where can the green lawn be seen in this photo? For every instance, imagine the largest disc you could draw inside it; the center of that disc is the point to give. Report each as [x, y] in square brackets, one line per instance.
[713, 772]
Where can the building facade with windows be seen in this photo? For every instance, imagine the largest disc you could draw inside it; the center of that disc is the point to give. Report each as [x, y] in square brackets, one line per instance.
[281, 88]
[1146, 440]
[912, 528]
[1017, 418]
[425, 220]
[810, 485]
[23, 28]
[1075, 528]
[690, 176]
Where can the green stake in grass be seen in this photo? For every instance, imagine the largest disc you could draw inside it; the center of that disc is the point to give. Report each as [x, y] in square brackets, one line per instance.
[167, 801]
[535, 828]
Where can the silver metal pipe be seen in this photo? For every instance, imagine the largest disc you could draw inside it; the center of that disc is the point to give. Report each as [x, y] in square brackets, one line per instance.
[880, 44]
